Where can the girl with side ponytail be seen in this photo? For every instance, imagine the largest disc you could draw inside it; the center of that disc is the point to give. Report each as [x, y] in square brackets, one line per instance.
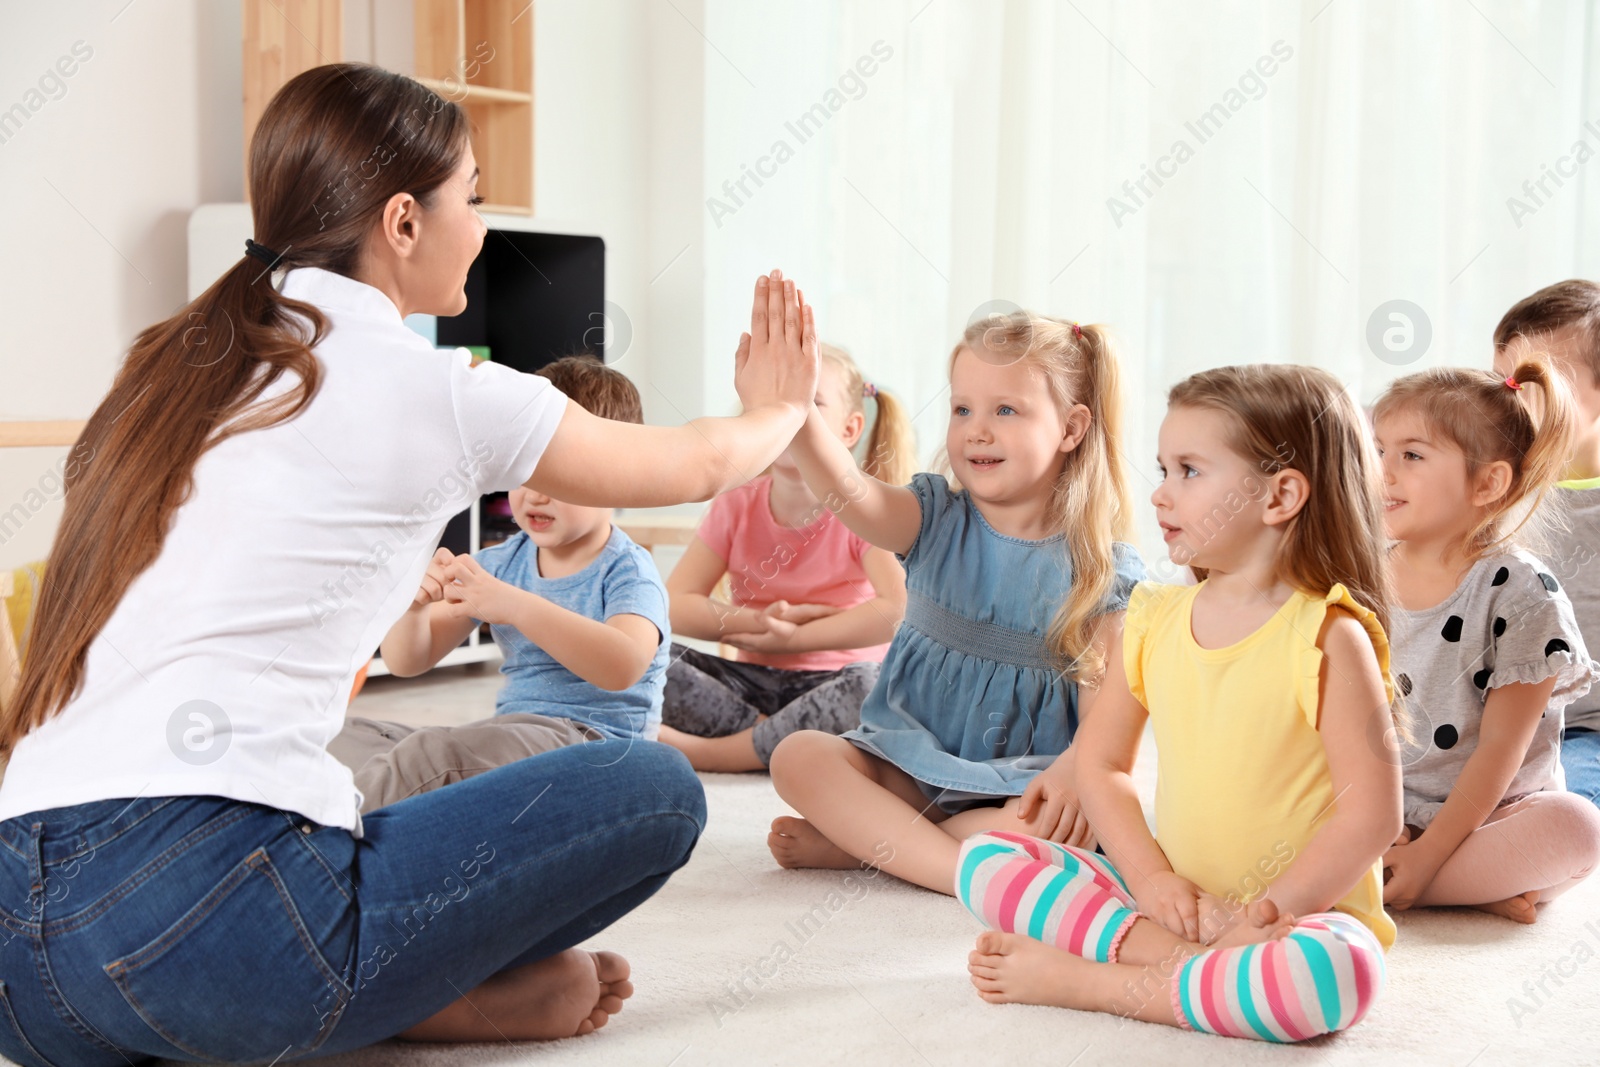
[1485, 641]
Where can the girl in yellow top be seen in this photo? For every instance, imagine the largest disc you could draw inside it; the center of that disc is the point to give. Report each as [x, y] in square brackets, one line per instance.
[1267, 687]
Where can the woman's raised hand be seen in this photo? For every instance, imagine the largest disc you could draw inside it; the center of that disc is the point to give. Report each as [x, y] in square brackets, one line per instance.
[777, 360]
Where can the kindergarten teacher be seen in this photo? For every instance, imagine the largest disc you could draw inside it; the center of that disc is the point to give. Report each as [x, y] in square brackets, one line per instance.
[183, 872]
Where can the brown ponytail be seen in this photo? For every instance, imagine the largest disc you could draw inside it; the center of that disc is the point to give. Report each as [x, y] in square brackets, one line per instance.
[332, 147]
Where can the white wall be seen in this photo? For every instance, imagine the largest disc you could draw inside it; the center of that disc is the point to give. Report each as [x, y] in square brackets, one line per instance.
[97, 184]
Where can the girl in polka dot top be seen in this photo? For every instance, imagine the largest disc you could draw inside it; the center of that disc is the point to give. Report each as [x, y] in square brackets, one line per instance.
[1485, 648]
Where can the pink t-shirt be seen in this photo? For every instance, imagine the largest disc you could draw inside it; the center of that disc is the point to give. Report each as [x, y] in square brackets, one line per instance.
[815, 564]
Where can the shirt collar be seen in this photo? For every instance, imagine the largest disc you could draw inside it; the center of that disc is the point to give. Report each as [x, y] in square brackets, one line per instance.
[336, 292]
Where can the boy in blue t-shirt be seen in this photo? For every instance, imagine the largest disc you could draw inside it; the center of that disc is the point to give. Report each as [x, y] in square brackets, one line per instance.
[579, 611]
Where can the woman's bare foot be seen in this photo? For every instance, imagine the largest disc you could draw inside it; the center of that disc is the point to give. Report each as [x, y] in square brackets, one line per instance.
[796, 843]
[567, 995]
[1012, 968]
[1519, 908]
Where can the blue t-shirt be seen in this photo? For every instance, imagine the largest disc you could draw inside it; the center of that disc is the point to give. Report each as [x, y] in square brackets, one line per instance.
[622, 580]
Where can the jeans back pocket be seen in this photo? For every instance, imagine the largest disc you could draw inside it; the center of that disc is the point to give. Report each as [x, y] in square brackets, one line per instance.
[237, 976]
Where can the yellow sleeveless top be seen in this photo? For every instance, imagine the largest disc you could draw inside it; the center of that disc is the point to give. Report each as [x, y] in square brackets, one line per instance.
[1242, 778]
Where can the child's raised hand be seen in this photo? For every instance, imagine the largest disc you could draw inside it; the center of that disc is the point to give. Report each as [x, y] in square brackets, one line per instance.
[431, 591]
[1172, 901]
[776, 362]
[474, 592]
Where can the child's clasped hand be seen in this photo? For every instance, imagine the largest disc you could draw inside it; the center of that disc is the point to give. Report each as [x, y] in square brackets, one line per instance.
[470, 591]
[474, 591]
[781, 620]
[431, 591]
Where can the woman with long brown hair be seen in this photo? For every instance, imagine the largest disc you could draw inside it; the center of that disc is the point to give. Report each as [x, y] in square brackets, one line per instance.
[183, 869]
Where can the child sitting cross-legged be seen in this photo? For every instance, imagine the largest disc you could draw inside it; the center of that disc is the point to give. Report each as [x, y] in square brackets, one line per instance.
[1485, 644]
[579, 611]
[1258, 910]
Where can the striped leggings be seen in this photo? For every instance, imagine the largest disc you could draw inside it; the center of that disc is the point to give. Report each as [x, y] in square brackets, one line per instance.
[1321, 978]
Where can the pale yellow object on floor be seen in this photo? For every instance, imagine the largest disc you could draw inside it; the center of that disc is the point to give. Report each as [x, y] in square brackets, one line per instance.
[18, 588]
[10, 659]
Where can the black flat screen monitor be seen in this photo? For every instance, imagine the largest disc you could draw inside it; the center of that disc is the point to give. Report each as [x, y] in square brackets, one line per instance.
[533, 298]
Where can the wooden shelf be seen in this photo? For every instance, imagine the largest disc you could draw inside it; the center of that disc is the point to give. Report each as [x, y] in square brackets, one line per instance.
[283, 38]
[44, 434]
[467, 93]
[479, 53]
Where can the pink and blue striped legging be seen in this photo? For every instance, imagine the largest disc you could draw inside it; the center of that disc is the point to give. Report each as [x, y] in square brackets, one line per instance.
[1321, 978]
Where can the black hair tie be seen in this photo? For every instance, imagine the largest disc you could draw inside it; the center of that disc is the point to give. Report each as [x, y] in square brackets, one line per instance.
[261, 252]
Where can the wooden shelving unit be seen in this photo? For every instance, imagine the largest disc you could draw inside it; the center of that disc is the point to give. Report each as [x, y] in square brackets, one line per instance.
[479, 53]
[283, 38]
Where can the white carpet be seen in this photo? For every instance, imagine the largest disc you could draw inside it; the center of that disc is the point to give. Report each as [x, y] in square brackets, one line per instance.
[879, 976]
[883, 980]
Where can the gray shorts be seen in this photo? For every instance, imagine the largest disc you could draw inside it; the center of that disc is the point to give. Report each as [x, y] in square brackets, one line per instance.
[708, 696]
[392, 761]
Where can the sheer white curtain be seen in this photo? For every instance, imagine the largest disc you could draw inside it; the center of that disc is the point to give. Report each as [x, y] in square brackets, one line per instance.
[1315, 162]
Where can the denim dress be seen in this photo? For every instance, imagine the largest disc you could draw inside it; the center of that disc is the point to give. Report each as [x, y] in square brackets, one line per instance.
[969, 702]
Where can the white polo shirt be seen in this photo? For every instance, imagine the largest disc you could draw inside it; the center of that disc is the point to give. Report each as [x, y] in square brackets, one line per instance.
[227, 665]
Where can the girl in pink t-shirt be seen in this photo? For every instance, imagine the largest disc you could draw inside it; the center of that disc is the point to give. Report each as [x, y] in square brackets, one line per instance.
[811, 605]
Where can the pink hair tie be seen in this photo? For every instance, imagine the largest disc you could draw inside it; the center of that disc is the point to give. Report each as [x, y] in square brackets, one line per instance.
[1077, 331]
[868, 389]
[1512, 383]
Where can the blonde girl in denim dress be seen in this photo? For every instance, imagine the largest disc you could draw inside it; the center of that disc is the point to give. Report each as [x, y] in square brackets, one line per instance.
[1015, 580]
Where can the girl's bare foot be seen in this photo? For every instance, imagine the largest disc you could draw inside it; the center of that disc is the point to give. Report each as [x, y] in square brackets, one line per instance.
[1260, 922]
[1519, 908]
[1012, 968]
[796, 843]
[567, 995]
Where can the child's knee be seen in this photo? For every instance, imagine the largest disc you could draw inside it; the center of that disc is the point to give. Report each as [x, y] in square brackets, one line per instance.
[796, 757]
[1578, 824]
[987, 846]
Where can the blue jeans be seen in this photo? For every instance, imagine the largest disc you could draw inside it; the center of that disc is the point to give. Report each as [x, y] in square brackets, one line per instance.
[199, 928]
[1580, 759]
